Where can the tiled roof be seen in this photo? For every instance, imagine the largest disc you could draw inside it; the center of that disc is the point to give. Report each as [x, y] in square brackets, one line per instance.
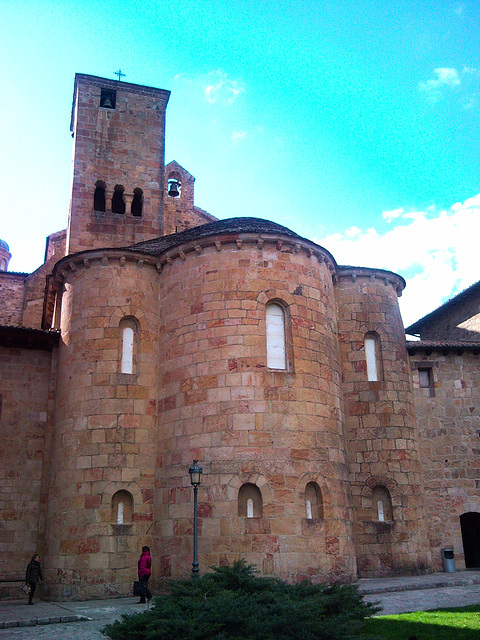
[441, 345]
[25, 338]
[14, 273]
[231, 225]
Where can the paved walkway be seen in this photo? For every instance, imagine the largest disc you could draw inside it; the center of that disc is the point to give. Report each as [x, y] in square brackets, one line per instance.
[83, 620]
[70, 620]
[420, 593]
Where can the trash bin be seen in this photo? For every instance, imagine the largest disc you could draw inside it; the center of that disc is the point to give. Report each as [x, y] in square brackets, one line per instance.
[448, 558]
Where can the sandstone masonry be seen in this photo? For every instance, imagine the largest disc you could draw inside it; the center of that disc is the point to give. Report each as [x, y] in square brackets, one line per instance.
[155, 334]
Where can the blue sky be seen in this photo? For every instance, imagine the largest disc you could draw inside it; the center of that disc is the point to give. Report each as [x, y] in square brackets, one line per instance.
[355, 124]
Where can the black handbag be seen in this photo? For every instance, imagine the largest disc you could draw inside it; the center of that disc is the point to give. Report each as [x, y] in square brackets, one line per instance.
[139, 588]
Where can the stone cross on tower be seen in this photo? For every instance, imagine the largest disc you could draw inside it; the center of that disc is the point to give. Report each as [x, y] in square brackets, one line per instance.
[119, 74]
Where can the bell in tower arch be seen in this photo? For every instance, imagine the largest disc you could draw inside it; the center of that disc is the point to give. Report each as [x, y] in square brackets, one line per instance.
[173, 188]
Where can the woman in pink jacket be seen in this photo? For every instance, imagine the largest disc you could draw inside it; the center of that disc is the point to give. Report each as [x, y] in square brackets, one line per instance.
[144, 573]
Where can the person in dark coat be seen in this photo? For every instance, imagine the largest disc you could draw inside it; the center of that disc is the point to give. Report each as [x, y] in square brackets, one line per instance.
[33, 575]
[144, 573]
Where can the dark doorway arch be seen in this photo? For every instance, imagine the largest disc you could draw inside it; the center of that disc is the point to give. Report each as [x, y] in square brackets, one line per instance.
[470, 524]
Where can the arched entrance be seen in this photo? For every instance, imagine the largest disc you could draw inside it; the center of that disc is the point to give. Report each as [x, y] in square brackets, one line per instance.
[470, 524]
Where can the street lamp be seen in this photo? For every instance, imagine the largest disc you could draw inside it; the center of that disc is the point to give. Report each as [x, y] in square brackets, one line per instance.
[195, 472]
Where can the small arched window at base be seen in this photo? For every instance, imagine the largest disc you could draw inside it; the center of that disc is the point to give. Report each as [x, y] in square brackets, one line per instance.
[313, 502]
[250, 501]
[382, 510]
[122, 508]
[308, 505]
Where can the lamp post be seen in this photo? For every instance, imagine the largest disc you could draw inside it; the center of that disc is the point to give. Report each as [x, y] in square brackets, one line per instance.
[195, 472]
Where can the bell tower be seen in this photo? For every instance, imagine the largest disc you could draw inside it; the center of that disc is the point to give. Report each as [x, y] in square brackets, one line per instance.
[118, 163]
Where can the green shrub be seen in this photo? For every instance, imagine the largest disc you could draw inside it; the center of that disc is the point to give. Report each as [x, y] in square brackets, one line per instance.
[232, 602]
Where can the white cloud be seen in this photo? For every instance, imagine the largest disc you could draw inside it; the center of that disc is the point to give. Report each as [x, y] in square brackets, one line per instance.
[218, 87]
[391, 215]
[469, 102]
[436, 253]
[353, 232]
[450, 79]
[446, 77]
[238, 135]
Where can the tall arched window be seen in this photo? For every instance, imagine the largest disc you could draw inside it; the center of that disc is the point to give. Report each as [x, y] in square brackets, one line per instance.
[99, 196]
[276, 338]
[313, 501]
[249, 501]
[129, 345]
[382, 504]
[373, 356]
[118, 202]
[122, 507]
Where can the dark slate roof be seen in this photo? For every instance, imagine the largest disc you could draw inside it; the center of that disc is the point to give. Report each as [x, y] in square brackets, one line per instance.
[431, 317]
[445, 346]
[231, 225]
[350, 268]
[14, 273]
[25, 338]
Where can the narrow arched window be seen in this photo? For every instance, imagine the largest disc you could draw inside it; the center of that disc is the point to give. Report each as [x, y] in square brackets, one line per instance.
[99, 196]
[249, 501]
[129, 345]
[313, 501]
[137, 203]
[276, 341]
[127, 350]
[120, 512]
[382, 509]
[122, 507]
[373, 357]
[118, 201]
[308, 505]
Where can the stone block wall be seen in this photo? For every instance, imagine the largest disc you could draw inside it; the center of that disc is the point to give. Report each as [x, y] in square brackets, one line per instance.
[124, 146]
[56, 245]
[274, 430]
[382, 436]
[449, 424]
[25, 416]
[36, 291]
[104, 429]
[12, 293]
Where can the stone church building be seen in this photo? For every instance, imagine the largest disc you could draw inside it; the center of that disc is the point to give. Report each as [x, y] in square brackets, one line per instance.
[155, 334]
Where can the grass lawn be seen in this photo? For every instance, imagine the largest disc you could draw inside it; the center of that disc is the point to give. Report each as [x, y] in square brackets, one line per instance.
[439, 624]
